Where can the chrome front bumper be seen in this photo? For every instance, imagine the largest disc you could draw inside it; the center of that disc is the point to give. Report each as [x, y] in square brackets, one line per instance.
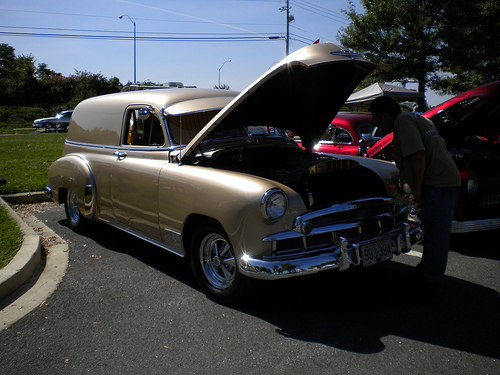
[341, 257]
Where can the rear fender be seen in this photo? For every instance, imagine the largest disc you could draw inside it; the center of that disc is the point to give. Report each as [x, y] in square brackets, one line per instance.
[74, 172]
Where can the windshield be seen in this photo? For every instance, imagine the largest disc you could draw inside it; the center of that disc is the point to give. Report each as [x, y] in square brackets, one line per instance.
[248, 131]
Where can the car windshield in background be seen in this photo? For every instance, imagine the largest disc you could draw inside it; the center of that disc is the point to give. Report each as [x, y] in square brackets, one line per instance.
[248, 131]
[371, 132]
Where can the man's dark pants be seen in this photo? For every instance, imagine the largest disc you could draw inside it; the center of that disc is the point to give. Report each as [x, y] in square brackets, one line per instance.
[436, 214]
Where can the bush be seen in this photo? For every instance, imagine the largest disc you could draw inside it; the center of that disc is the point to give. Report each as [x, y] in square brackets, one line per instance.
[20, 117]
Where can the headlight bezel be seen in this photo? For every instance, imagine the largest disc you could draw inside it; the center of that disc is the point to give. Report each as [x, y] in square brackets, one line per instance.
[472, 184]
[404, 188]
[274, 205]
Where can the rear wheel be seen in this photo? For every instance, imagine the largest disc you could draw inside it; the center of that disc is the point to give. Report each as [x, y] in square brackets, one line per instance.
[215, 265]
[75, 219]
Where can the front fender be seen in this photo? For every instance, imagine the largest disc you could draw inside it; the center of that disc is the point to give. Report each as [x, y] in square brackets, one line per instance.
[230, 198]
[74, 172]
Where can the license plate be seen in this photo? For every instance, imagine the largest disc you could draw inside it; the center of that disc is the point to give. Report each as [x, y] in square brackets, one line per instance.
[375, 252]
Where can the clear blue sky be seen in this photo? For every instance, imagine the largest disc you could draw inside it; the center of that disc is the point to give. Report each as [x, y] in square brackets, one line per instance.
[208, 33]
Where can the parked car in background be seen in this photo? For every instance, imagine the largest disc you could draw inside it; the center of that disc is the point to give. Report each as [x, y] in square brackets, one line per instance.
[470, 125]
[59, 122]
[350, 133]
[211, 176]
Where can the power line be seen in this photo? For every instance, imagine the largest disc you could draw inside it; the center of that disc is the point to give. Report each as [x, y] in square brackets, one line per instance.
[320, 11]
[128, 32]
[135, 18]
[146, 38]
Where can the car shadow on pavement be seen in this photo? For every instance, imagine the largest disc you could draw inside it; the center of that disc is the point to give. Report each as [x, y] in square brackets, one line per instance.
[118, 241]
[353, 310]
[356, 309]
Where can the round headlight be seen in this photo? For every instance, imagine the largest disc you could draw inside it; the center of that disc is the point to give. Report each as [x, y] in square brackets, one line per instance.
[404, 188]
[472, 184]
[274, 204]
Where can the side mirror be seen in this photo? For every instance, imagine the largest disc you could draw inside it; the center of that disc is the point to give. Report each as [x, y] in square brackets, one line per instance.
[145, 112]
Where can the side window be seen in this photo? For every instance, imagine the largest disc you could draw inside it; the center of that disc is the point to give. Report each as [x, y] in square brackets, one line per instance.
[142, 129]
[371, 132]
[328, 135]
[341, 135]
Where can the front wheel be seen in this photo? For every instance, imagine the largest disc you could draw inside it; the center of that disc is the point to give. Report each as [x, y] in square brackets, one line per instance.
[75, 219]
[215, 265]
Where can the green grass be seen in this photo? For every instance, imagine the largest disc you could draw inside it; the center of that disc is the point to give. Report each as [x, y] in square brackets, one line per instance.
[11, 237]
[25, 160]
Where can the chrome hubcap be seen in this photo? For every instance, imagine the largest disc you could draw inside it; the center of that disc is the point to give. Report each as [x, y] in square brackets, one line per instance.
[217, 261]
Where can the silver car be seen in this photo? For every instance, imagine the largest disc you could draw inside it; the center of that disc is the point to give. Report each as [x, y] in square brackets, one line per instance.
[59, 122]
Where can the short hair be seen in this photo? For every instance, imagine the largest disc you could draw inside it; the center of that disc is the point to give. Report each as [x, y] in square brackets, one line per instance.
[385, 104]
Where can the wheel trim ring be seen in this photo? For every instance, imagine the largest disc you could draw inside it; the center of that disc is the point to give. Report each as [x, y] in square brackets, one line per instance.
[73, 210]
[217, 261]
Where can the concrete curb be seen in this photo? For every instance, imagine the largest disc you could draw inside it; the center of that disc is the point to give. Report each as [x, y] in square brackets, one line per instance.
[23, 198]
[27, 259]
[17, 297]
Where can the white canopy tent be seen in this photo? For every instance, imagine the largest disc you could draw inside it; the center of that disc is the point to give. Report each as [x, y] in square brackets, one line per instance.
[381, 89]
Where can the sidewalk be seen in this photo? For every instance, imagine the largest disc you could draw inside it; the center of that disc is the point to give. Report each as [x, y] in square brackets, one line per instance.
[17, 296]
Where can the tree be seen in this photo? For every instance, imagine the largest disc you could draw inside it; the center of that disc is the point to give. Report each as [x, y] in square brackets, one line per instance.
[87, 85]
[473, 42]
[424, 41]
[26, 85]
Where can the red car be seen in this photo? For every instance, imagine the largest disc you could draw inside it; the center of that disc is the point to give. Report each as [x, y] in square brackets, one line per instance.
[349, 134]
[470, 125]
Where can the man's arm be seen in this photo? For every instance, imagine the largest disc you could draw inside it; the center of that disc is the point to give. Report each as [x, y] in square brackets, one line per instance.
[418, 167]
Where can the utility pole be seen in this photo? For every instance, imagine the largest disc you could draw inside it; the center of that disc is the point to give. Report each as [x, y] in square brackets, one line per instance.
[289, 18]
[287, 50]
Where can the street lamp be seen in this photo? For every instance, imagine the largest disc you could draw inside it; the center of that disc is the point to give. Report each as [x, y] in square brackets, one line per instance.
[135, 67]
[221, 68]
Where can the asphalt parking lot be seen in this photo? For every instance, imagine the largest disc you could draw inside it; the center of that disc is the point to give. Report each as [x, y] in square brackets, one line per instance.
[125, 306]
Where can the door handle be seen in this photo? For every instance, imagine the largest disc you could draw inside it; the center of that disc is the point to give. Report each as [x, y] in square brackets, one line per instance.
[120, 154]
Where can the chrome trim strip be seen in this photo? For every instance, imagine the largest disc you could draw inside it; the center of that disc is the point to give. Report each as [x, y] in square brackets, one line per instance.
[147, 239]
[336, 208]
[475, 225]
[292, 234]
[122, 148]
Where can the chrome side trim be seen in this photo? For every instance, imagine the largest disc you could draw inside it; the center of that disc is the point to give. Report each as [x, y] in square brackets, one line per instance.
[142, 237]
[475, 225]
[122, 148]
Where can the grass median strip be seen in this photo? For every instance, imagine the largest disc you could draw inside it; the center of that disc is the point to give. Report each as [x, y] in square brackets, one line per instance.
[11, 237]
[24, 163]
[25, 160]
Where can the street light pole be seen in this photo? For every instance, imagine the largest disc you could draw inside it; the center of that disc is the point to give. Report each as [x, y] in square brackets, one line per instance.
[135, 65]
[221, 68]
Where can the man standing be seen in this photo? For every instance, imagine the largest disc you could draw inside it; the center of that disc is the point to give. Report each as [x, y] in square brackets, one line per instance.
[426, 165]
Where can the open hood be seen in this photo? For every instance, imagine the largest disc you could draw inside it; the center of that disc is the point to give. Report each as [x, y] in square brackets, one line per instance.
[368, 94]
[301, 93]
[474, 113]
